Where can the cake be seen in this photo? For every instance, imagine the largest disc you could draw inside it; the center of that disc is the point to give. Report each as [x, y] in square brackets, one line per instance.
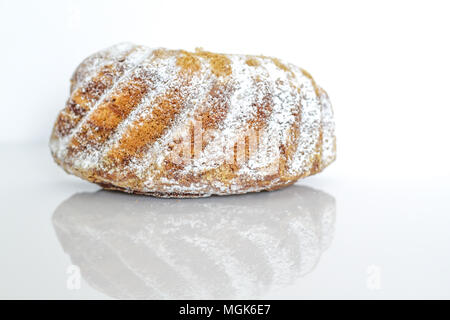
[173, 123]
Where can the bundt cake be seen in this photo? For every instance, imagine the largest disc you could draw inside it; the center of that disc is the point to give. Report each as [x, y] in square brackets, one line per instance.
[173, 123]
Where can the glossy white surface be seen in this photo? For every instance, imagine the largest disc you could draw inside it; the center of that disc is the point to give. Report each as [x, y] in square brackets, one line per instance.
[329, 236]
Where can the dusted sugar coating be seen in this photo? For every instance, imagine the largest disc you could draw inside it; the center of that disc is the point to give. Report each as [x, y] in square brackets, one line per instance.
[173, 123]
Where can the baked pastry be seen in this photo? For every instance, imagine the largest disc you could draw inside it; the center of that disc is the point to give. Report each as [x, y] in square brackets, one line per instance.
[217, 248]
[173, 123]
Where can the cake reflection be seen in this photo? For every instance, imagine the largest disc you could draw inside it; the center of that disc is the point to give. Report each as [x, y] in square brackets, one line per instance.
[136, 247]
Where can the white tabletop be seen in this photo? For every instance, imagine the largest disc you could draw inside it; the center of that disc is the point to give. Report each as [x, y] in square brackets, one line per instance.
[328, 236]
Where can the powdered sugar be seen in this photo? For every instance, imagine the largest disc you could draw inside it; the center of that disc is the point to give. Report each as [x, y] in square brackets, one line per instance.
[309, 125]
[90, 66]
[60, 146]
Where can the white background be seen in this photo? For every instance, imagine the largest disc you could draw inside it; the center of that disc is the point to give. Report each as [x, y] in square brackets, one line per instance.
[384, 64]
